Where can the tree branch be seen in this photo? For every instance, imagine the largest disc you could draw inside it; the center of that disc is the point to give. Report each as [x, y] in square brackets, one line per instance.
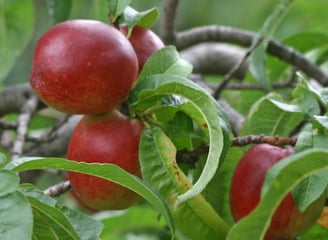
[215, 58]
[168, 23]
[215, 33]
[23, 121]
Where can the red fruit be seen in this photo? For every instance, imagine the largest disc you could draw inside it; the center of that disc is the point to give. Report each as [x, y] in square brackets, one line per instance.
[106, 138]
[144, 41]
[83, 67]
[287, 222]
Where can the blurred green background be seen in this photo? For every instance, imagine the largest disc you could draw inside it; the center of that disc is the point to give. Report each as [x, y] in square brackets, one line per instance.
[304, 15]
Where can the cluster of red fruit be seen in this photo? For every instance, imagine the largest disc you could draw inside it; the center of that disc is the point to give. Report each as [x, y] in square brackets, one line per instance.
[89, 67]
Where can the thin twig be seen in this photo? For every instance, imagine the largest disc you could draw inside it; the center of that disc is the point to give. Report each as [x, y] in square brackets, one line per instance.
[191, 157]
[254, 86]
[58, 189]
[48, 136]
[256, 139]
[23, 121]
[230, 74]
[168, 23]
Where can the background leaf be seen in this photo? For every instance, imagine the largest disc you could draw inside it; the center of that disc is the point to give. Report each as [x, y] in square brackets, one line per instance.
[16, 29]
[59, 10]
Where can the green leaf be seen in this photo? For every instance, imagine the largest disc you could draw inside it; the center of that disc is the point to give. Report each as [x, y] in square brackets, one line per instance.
[60, 222]
[144, 19]
[59, 10]
[217, 193]
[3, 159]
[86, 227]
[258, 59]
[160, 169]
[50, 222]
[290, 172]
[200, 106]
[322, 121]
[16, 29]
[270, 116]
[316, 232]
[306, 41]
[165, 60]
[9, 182]
[130, 222]
[110, 172]
[116, 7]
[310, 189]
[307, 100]
[16, 220]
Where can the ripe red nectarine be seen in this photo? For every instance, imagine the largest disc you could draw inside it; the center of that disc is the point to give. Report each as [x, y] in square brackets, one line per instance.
[105, 138]
[83, 67]
[288, 221]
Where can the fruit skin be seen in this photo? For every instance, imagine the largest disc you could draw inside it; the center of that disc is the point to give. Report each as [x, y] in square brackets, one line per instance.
[105, 138]
[144, 41]
[83, 67]
[287, 222]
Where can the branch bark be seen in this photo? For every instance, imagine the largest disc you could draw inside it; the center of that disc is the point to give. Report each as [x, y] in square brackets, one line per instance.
[168, 23]
[216, 33]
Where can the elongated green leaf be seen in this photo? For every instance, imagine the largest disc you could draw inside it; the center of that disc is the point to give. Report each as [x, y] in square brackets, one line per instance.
[290, 172]
[308, 190]
[59, 10]
[160, 169]
[16, 28]
[15, 217]
[86, 227]
[110, 172]
[50, 222]
[145, 19]
[199, 106]
[59, 222]
[8, 183]
[165, 60]
[271, 116]
[258, 60]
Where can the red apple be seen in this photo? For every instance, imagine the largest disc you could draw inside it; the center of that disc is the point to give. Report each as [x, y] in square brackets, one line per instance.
[287, 222]
[105, 138]
[144, 41]
[83, 67]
